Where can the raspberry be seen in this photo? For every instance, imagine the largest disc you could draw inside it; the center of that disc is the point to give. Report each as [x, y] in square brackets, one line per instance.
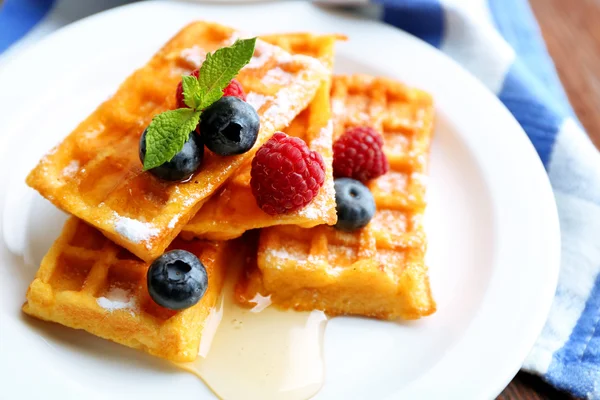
[233, 89]
[358, 154]
[286, 175]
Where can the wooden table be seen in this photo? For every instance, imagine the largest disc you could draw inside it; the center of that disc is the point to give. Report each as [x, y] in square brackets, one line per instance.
[571, 29]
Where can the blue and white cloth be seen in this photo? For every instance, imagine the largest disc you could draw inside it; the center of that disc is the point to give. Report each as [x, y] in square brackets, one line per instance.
[499, 42]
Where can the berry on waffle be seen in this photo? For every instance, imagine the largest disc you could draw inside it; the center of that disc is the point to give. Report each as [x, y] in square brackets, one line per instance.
[233, 209]
[377, 271]
[88, 282]
[96, 175]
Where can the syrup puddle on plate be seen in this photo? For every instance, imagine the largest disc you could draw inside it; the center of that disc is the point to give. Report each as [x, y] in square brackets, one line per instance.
[260, 353]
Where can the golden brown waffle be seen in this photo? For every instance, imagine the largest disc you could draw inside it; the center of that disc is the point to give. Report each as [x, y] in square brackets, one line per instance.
[378, 271]
[233, 210]
[87, 282]
[96, 175]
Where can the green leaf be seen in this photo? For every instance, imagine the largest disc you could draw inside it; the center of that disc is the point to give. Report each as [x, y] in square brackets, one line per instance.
[221, 67]
[191, 91]
[167, 134]
[169, 130]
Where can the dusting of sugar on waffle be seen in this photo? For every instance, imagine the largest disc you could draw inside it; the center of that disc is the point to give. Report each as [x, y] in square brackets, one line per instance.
[173, 222]
[257, 100]
[111, 169]
[263, 52]
[283, 254]
[233, 210]
[134, 230]
[193, 55]
[71, 169]
[276, 76]
[117, 299]
[281, 109]
[338, 108]
[318, 207]
[325, 138]
[388, 252]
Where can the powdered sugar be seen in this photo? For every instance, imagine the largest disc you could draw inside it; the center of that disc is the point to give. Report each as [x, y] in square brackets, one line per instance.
[281, 110]
[312, 210]
[317, 208]
[283, 254]
[193, 55]
[134, 230]
[325, 138]
[314, 64]
[71, 169]
[298, 257]
[284, 57]
[276, 76]
[338, 107]
[93, 133]
[257, 100]
[117, 299]
[173, 222]
[262, 53]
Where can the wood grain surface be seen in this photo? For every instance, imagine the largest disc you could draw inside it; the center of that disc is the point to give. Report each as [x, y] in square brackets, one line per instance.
[571, 29]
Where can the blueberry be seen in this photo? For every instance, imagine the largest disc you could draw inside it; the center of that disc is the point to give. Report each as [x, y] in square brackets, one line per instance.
[177, 280]
[183, 165]
[229, 126]
[354, 203]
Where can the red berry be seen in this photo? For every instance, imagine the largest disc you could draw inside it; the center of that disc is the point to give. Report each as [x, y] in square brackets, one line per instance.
[233, 89]
[286, 175]
[358, 154]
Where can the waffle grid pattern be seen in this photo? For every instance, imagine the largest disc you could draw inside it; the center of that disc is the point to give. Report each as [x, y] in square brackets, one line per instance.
[87, 282]
[378, 271]
[96, 175]
[233, 210]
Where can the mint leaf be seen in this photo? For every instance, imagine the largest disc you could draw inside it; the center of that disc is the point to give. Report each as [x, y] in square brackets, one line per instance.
[221, 67]
[169, 130]
[191, 91]
[167, 134]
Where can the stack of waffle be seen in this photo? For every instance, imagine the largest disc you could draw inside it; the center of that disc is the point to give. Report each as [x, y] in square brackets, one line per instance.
[94, 276]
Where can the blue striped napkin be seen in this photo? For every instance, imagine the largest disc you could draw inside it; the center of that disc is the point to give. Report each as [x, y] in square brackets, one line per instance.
[499, 42]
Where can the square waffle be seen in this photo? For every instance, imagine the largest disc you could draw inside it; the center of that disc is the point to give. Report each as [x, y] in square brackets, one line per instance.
[88, 282]
[378, 271]
[96, 175]
[233, 209]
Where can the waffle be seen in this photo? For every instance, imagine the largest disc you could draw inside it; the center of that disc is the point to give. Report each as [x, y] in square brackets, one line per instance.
[87, 282]
[233, 209]
[96, 175]
[378, 271]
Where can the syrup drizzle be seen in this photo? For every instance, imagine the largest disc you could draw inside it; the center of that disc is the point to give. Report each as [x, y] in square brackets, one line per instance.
[260, 353]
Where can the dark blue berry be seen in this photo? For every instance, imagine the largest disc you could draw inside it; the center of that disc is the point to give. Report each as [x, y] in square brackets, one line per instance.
[183, 165]
[177, 280]
[229, 126]
[354, 203]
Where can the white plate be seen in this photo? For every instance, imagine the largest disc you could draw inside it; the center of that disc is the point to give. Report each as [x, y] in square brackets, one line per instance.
[494, 241]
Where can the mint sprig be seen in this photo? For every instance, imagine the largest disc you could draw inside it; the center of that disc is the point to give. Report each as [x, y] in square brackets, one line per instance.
[168, 131]
[221, 67]
[191, 91]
